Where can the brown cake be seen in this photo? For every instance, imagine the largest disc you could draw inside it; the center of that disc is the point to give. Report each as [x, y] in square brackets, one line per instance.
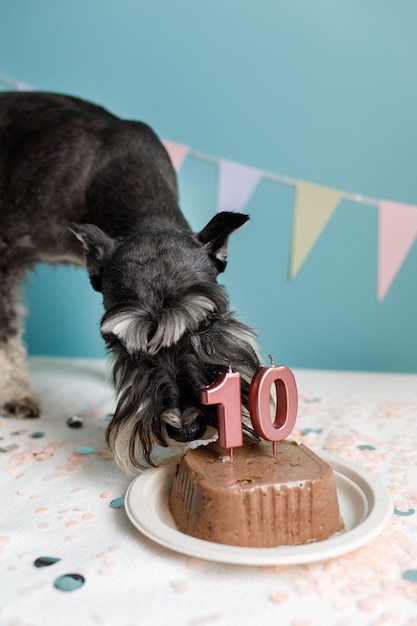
[256, 500]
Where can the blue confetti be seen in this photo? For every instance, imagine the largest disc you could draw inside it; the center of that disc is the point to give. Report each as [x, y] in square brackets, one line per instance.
[85, 449]
[38, 435]
[411, 575]
[404, 513]
[44, 561]
[69, 582]
[307, 431]
[118, 503]
[366, 447]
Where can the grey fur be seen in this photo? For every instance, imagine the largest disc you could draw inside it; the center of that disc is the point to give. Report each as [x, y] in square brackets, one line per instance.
[68, 167]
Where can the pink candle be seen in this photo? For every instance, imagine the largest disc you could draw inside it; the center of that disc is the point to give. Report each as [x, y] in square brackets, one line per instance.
[286, 403]
[225, 392]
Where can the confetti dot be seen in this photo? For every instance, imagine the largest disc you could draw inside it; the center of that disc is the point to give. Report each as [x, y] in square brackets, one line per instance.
[307, 431]
[279, 597]
[411, 575]
[45, 561]
[73, 524]
[75, 422]
[118, 503]
[106, 494]
[180, 586]
[42, 510]
[85, 449]
[4, 541]
[38, 435]
[69, 582]
[366, 447]
[404, 513]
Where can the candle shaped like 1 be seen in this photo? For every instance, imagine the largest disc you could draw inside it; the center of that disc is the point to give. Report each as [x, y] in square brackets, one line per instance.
[225, 392]
[286, 403]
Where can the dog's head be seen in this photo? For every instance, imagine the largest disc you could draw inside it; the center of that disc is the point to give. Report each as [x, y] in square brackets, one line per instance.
[169, 327]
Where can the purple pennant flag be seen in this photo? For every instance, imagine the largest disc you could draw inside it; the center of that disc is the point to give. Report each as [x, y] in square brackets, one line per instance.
[19, 86]
[236, 183]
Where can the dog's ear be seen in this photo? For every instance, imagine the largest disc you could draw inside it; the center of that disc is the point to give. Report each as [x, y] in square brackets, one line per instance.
[98, 247]
[215, 234]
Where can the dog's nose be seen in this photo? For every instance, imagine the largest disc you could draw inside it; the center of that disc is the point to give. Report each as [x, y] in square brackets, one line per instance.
[190, 432]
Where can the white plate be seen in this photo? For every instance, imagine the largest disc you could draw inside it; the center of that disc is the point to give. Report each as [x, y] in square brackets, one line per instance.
[365, 505]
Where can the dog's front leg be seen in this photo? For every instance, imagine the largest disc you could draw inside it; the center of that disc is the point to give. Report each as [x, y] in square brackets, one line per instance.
[15, 395]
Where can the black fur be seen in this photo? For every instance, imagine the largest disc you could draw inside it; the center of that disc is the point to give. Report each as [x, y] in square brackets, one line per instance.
[68, 167]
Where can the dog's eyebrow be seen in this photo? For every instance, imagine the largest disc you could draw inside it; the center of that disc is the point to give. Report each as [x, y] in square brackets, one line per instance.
[130, 325]
[133, 326]
[174, 322]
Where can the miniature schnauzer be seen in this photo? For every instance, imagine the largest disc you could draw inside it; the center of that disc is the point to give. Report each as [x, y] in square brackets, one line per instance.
[69, 167]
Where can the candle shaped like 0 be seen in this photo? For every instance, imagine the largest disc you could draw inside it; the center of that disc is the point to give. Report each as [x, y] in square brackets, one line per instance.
[225, 392]
[286, 402]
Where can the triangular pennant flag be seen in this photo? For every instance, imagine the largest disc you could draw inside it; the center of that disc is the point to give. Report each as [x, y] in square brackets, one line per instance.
[314, 206]
[23, 87]
[397, 232]
[236, 184]
[177, 152]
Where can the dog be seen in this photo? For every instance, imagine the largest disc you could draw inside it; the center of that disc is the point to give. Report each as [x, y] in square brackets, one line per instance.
[80, 185]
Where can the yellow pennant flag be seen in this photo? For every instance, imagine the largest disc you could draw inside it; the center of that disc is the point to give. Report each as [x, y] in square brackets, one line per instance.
[314, 206]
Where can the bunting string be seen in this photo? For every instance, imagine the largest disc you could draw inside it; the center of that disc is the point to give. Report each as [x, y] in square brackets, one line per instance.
[286, 180]
[314, 206]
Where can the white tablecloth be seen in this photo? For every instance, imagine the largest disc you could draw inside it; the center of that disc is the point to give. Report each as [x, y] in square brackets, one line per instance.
[60, 499]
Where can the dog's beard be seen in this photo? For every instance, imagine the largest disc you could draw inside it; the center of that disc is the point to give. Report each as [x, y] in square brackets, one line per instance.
[158, 392]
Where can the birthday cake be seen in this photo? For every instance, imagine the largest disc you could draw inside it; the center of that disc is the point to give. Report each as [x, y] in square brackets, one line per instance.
[256, 500]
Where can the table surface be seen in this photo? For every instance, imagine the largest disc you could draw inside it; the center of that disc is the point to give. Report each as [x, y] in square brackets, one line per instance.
[62, 492]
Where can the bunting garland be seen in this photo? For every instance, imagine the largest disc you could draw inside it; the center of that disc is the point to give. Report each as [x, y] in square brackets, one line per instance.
[313, 208]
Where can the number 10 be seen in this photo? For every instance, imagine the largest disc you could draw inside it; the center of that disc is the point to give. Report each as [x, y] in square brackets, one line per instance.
[225, 392]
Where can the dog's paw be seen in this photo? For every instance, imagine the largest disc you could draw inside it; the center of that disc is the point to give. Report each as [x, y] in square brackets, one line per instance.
[21, 407]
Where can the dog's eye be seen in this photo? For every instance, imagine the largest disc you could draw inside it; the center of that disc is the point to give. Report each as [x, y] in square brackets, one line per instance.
[205, 325]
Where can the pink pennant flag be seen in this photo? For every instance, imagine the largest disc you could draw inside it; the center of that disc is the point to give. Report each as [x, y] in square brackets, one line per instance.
[236, 184]
[397, 232]
[177, 152]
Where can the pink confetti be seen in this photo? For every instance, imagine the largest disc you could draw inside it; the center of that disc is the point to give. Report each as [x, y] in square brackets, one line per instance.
[73, 524]
[278, 598]
[42, 510]
[106, 494]
[29, 591]
[56, 476]
[180, 586]
[4, 541]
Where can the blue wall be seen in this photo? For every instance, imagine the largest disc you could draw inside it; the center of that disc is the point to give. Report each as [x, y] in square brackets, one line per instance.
[322, 91]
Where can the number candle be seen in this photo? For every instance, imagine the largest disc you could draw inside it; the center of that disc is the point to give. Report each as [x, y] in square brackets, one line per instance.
[225, 392]
[286, 403]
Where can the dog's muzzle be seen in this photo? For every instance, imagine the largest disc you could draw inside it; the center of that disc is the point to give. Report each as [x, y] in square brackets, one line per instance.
[189, 432]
